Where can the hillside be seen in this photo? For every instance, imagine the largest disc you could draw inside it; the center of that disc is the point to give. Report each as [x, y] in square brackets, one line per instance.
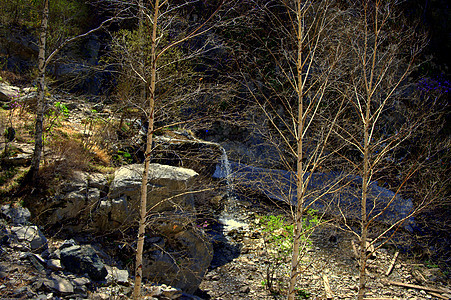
[272, 134]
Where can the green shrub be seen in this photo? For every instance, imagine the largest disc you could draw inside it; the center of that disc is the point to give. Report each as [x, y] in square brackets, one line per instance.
[278, 237]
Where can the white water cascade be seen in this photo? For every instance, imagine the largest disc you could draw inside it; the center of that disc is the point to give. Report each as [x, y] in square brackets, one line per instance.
[229, 216]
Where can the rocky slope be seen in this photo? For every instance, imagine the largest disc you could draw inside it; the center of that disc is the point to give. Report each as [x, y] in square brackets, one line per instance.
[67, 248]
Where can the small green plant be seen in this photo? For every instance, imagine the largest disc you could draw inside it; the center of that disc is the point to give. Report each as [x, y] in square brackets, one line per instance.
[278, 237]
[431, 265]
[54, 117]
[62, 108]
[123, 157]
[302, 294]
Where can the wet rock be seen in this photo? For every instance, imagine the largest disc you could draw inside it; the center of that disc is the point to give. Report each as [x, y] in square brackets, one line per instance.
[31, 235]
[83, 259]
[277, 184]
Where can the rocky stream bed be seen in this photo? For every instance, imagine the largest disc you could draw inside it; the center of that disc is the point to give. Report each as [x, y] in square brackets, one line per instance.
[242, 260]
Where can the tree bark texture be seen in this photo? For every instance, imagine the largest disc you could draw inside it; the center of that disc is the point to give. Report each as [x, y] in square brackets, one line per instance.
[299, 167]
[151, 115]
[39, 123]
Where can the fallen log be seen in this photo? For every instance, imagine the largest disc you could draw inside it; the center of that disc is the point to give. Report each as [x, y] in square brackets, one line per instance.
[329, 294]
[392, 263]
[414, 286]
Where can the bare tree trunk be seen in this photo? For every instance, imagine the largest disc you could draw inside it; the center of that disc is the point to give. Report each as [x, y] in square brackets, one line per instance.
[364, 221]
[366, 176]
[143, 204]
[299, 172]
[36, 159]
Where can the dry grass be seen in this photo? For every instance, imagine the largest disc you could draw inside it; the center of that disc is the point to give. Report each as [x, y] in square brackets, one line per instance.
[14, 78]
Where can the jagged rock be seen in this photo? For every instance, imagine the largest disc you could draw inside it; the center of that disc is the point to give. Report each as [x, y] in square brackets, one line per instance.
[116, 275]
[54, 264]
[181, 148]
[30, 234]
[59, 284]
[67, 243]
[8, 92]
[4, 235]
[112, 213]
[183, 261]
[75, 201]
[15, 215]
[83, 259]
[36, 260]
[163, 292]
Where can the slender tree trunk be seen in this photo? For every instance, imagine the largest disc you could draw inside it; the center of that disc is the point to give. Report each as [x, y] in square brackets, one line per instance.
[143, 204]
[364, 217]
[38, 146]
[366, 176]
[300, 172]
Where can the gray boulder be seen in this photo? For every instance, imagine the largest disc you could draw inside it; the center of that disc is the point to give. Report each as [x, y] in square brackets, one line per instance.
[165, 183]
[83, 259]
[15, 215]
[333, 193]
[180, 257]
[59, 284]
[31, 235]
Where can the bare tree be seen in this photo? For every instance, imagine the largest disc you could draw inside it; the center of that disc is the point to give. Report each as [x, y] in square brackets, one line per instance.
[36, 159]
[151, 83]
[43, 62]
[295, 93]
[381, 52]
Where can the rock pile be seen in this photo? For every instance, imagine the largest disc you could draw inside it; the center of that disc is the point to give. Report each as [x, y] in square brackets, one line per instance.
[33, 268]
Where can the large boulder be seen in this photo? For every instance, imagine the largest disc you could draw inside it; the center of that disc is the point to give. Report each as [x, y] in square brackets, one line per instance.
[31, 236]
[166, 191]
[74, 202]
[178, 256]
[336, 194]
[83, 259]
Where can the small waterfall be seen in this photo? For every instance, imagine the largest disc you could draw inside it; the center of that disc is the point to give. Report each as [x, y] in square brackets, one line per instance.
[224, 171]
[230, 216]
